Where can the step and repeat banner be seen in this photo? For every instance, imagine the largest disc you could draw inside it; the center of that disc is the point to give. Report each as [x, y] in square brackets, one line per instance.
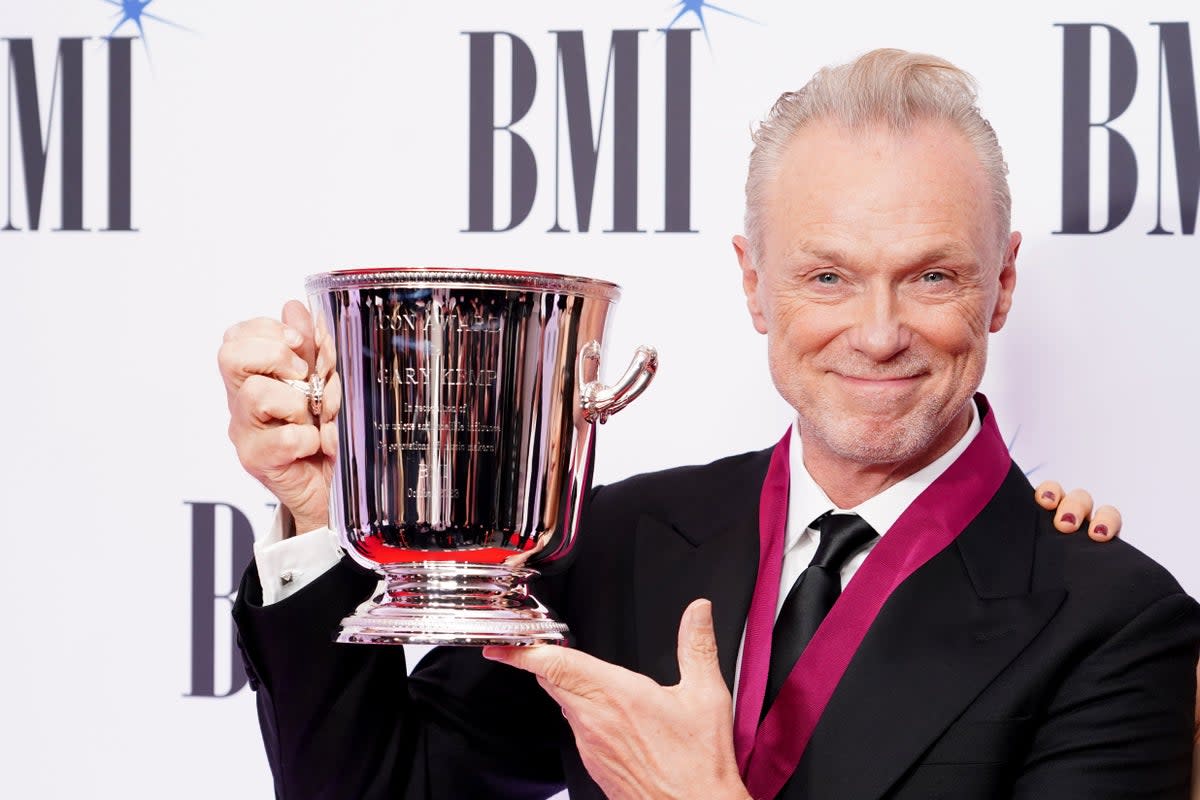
[174, 166]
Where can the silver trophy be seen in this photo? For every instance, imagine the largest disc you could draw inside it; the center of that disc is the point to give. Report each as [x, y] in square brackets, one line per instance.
[469, 400]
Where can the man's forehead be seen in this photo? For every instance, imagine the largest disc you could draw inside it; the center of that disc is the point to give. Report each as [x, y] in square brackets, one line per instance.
[923, 190]
[839, 250]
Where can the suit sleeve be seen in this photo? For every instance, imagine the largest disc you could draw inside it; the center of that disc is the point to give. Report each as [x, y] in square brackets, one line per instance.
[345, 721]
[1120, 725]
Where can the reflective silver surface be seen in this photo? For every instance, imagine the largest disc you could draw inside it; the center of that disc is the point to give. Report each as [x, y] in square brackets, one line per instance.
[465, 437]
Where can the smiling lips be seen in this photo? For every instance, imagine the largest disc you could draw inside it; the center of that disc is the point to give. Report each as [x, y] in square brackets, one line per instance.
[886, 389]
[882, 380]
[883, 394]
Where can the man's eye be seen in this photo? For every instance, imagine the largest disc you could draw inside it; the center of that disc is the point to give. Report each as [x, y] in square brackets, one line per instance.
[933, 277]
[827, 278]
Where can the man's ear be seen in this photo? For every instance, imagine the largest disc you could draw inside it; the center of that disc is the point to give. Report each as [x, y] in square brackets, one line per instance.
[750, 276]
[1008, 283]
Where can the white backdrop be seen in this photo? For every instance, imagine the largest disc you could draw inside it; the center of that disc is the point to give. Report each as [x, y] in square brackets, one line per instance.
[272, 140]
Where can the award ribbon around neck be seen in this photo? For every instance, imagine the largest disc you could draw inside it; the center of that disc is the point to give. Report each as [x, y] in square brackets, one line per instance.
[768, 753]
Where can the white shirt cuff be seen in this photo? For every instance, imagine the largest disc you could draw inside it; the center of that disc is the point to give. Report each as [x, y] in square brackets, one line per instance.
[285, 566]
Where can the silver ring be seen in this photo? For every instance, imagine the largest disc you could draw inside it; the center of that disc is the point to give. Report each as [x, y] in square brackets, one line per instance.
[316, 394]
[313, 389]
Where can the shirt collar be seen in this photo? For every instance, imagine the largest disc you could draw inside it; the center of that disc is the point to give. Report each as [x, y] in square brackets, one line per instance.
[807, 500]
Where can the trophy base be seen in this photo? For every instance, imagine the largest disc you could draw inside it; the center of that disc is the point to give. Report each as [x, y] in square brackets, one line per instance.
[453, 603]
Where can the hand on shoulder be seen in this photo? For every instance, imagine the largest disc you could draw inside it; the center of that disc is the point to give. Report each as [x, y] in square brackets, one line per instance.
[1072, 508]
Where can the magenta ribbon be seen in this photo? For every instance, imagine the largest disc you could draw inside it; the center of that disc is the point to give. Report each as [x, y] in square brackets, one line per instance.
[768, 753]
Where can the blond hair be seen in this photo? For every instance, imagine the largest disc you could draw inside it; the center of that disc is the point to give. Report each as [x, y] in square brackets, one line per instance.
[887, 86]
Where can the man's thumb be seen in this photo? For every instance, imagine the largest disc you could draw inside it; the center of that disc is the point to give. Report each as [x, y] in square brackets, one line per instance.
[698, 645]
[296, 316]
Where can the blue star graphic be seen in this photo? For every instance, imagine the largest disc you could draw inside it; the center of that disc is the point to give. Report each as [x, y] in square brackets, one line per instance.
[135, 11]
[1013, 443]
[698, 7]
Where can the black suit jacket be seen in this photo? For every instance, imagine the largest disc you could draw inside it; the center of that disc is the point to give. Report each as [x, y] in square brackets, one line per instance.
[1016, 663]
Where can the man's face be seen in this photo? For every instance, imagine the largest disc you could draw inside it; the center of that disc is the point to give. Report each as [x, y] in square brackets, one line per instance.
[881, 273]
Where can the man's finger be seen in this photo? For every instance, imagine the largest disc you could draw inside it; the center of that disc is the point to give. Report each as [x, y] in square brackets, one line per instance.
[269, 402]
[332, 402]
[296, 317]
[1049, 494]
[569, 670]
[544, 662]
[697, 648]
[240, 358]
[1105, 524]
[265, 450]
[329, 439]
[326, 358]
[259, 327]
[1072, 511]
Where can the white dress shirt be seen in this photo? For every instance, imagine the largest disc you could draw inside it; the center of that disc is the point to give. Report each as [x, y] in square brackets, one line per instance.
[285, 566]
[807, 501]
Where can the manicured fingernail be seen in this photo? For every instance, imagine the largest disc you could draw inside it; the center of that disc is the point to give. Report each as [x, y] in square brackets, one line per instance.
[1068, 518]
[292, 337]
[1048, 496]
[1100, 530]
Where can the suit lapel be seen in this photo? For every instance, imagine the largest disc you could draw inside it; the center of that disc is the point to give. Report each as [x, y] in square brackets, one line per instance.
[708, 548]
[941, 638]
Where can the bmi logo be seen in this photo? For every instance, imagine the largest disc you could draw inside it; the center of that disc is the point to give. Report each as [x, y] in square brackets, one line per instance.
[29, 151]
[1101, 158]
[583, 126]
[46, 126]
[222, 546]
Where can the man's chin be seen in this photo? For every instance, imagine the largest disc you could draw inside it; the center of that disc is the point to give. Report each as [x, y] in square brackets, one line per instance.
[869, 440]
[876, 454]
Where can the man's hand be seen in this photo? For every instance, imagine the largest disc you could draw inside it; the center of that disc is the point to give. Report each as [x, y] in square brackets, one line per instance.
[638, 739]
[1072, 508]
[277, 438]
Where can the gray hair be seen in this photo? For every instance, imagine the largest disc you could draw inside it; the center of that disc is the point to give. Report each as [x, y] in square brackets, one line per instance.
[889, 86]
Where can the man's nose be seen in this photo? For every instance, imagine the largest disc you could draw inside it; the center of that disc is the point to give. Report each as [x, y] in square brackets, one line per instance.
[879, 330]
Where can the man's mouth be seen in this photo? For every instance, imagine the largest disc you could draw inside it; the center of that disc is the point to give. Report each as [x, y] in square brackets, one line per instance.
[894, 381]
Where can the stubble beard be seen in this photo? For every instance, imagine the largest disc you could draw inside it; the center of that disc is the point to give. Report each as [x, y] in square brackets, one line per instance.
[872, 432]
[872, 439]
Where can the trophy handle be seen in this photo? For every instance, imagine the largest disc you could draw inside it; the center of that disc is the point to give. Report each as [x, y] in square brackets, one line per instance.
[599, 402]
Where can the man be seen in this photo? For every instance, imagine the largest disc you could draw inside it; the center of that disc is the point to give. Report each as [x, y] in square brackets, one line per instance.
[967, 652]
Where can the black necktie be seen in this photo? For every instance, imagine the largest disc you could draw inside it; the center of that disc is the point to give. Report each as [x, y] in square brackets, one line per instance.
[813, 594]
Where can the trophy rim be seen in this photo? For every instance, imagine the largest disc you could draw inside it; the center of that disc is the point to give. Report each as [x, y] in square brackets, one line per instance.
[461, 277]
